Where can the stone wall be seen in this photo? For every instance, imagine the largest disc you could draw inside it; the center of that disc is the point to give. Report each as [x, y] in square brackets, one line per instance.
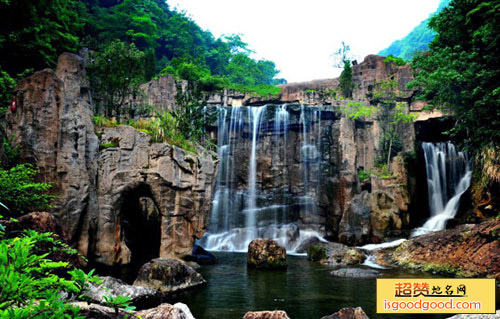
[102, 190]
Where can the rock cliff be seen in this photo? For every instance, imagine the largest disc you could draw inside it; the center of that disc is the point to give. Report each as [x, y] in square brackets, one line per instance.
[110, 200]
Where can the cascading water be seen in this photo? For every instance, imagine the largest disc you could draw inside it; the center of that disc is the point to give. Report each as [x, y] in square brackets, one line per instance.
[243, 210]
[448, 177]
[251, 211]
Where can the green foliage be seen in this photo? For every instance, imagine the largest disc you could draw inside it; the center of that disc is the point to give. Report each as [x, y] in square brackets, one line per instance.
[20, 192]
[167, 35]
[461, 71]
[9, 155]
[364, 175]
[34, 33]
[346, 84]
[416, 41]
[118, 302]
[111, 144]
[100, 121]
[396, 60]
[31, 284]
[316, 253]
[355, 110]
[262, 90]
[164, 128]
[115, 73]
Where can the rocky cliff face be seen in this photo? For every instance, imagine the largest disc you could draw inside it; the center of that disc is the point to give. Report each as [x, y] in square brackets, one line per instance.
[308, 175]
[110, 199]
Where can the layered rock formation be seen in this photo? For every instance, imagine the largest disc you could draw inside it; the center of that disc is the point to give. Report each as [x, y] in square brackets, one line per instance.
[467, 250]
[109, 199]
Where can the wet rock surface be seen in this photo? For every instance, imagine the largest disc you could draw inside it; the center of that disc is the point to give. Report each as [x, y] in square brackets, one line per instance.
[167, 276]
[348, 313]
[335, 254]
[468, 250]
[266, 254]
[277, 314]
[141, 297]
[355, 273]
[163, 311]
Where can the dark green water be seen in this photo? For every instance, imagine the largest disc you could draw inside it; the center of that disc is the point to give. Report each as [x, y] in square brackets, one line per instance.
[305, 291]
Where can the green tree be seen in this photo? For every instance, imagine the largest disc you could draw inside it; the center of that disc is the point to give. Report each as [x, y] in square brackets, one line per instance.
[346, 84]
[115, 74]
[461, 71]
[33, 35]
[342, 59]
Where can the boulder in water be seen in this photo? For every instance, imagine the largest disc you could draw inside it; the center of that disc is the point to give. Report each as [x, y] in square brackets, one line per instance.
[266, 254]
[277, 314]
[355, 273]
[304, 246]
[335, 254]
[201, 256]
[167, 275]
[348, 313]
[167, 311]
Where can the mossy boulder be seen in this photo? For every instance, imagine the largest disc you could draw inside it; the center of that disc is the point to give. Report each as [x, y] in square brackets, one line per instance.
[266, 254]
[335, 254]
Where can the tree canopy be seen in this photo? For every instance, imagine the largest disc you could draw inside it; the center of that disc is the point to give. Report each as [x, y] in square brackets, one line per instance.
[461, 70]
[34, 33]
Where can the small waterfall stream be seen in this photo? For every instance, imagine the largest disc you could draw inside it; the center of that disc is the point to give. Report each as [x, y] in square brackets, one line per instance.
[448, 177]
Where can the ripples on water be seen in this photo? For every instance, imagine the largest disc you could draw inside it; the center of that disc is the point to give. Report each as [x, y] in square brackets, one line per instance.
[305, 291]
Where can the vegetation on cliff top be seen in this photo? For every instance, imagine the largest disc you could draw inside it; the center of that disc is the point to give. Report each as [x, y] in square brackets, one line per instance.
[461, 71]
[34, 33]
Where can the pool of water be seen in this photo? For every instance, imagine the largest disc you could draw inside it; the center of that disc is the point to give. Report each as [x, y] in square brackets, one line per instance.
[305, 290]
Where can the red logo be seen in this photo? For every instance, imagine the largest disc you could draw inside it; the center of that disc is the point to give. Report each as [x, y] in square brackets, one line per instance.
[13, 105]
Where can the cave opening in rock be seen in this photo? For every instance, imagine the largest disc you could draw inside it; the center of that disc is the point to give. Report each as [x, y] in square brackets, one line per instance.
[141, 224]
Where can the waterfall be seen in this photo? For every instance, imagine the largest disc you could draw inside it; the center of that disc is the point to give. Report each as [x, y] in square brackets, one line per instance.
[448, 177]
[243, 208]
[251, 210]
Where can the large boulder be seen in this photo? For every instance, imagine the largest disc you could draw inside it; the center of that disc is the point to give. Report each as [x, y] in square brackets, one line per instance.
[266, 254]
[335, 254]
[166, 311]
[141, 297]
[348, 313]
[276, 314]
[167, 275]
[163, 311]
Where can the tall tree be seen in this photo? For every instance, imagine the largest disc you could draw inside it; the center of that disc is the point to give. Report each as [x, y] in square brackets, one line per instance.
[115, 73]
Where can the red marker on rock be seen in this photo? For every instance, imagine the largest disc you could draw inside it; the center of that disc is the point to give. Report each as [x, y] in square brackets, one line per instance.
[13, 105]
